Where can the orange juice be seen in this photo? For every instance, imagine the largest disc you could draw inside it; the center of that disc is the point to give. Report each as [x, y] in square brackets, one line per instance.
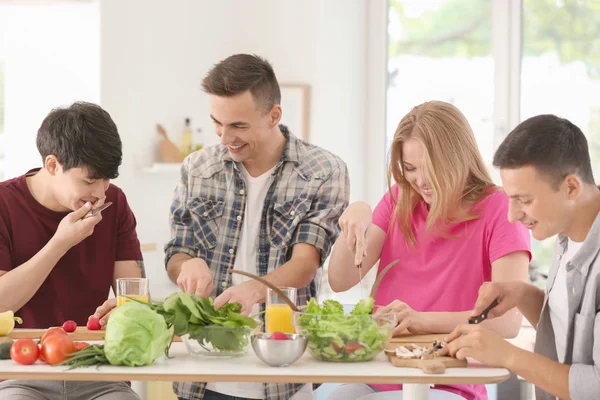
[124, 299]
[279, 318]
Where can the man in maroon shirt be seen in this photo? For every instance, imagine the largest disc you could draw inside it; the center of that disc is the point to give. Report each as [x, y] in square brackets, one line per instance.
[56, 264]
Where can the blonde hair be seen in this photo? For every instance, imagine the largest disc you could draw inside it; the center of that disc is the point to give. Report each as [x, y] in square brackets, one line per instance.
[452, 163]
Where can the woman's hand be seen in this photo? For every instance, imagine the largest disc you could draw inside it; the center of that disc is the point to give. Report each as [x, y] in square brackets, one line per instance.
[354, 223]
[408, 319]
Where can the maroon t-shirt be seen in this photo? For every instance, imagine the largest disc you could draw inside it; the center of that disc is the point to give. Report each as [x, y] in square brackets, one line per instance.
[82, 278]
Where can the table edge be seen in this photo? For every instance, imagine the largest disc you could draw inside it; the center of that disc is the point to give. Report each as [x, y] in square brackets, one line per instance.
[107, 376]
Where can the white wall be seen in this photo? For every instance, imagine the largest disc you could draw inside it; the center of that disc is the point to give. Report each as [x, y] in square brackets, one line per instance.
[153, 58]
[144, 61]
[52, 56]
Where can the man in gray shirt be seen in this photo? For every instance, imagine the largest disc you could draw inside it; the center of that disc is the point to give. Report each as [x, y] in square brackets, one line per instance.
[546, 171]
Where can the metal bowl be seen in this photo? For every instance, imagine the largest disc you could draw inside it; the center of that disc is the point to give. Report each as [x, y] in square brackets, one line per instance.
[279, 353]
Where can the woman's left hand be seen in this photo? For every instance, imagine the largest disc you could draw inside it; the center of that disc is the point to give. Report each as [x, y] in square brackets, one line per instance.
[408, 319]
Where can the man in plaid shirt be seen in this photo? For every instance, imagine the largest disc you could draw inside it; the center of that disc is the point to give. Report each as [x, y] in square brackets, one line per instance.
[262, 201]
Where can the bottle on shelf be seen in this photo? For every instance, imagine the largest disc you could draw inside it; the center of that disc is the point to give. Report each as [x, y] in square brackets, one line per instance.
[186, 140]
[198, 139]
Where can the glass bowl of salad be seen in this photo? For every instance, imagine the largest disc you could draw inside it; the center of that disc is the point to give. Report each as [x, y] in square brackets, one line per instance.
[335, 336]
[218, 341]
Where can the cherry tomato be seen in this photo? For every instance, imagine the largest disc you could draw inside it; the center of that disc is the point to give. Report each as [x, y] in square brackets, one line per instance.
[352, 347]
[57, 348]
[53, 332]
[278, 336]
[24, 351]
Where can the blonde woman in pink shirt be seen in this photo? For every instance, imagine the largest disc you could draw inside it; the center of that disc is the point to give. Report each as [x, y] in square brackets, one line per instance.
[446, 222]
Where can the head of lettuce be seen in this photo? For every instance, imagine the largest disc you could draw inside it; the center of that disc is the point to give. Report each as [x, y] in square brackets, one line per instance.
[135, 335]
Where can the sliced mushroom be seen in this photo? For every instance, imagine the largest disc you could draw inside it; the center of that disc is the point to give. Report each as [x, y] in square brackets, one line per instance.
[404, 353]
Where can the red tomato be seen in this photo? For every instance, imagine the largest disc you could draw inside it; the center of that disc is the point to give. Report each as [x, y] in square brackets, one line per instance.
[352, 347]
[69, 326]
[41, 358]
[24, 351]
[57, 348]
[53, 332]
[81, 345]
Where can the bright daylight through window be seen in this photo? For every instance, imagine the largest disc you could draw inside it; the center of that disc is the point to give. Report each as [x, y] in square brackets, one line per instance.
[443, 50]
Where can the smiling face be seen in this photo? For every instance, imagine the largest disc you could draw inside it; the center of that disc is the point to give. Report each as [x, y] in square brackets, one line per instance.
[413, 165]
[242, 126]
[537, 203]
[74, 187]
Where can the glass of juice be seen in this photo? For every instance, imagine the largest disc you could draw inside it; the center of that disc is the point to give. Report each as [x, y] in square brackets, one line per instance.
[278, 314]
[132, 288]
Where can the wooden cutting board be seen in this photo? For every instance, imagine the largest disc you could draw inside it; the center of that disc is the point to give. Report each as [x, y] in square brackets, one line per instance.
[437, 365]
[80, 334]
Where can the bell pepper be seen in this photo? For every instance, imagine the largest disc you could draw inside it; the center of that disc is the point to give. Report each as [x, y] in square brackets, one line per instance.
[7, 322]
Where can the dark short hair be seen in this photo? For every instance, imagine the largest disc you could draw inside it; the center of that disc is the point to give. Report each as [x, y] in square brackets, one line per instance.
[240, 73]
[82, 135]
[554, 146]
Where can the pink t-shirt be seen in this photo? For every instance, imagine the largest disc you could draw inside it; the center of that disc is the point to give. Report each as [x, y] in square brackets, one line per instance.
[444, 274]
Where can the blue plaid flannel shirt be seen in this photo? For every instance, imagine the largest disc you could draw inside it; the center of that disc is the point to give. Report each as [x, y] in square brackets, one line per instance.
[309, 192]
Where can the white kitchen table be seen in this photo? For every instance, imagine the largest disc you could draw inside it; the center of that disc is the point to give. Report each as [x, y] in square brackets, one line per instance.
[249, 368]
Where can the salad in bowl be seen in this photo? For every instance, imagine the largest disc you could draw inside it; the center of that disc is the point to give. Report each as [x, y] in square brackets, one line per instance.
[335, 336]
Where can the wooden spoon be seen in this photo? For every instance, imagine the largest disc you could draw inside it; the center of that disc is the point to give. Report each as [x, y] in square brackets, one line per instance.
[289, 302]
[380, 277]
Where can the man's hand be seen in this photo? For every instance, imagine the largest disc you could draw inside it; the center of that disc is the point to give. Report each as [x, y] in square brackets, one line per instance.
[508, 294]
[73, 229]
[247, 294]
[103, 311]
[195, 277]
[475, 341]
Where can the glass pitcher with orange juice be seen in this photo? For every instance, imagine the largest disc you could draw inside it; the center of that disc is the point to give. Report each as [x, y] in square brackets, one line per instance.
[278, 314]
[132, 288]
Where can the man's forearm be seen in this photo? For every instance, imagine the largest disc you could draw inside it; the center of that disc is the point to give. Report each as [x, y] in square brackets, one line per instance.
[19, 285]
[174, 265]
[531, 303]
[297, 273]
[548, 375]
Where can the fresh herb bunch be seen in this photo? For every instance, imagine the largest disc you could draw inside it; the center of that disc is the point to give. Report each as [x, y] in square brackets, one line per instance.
[91, 355]
[191, 314]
